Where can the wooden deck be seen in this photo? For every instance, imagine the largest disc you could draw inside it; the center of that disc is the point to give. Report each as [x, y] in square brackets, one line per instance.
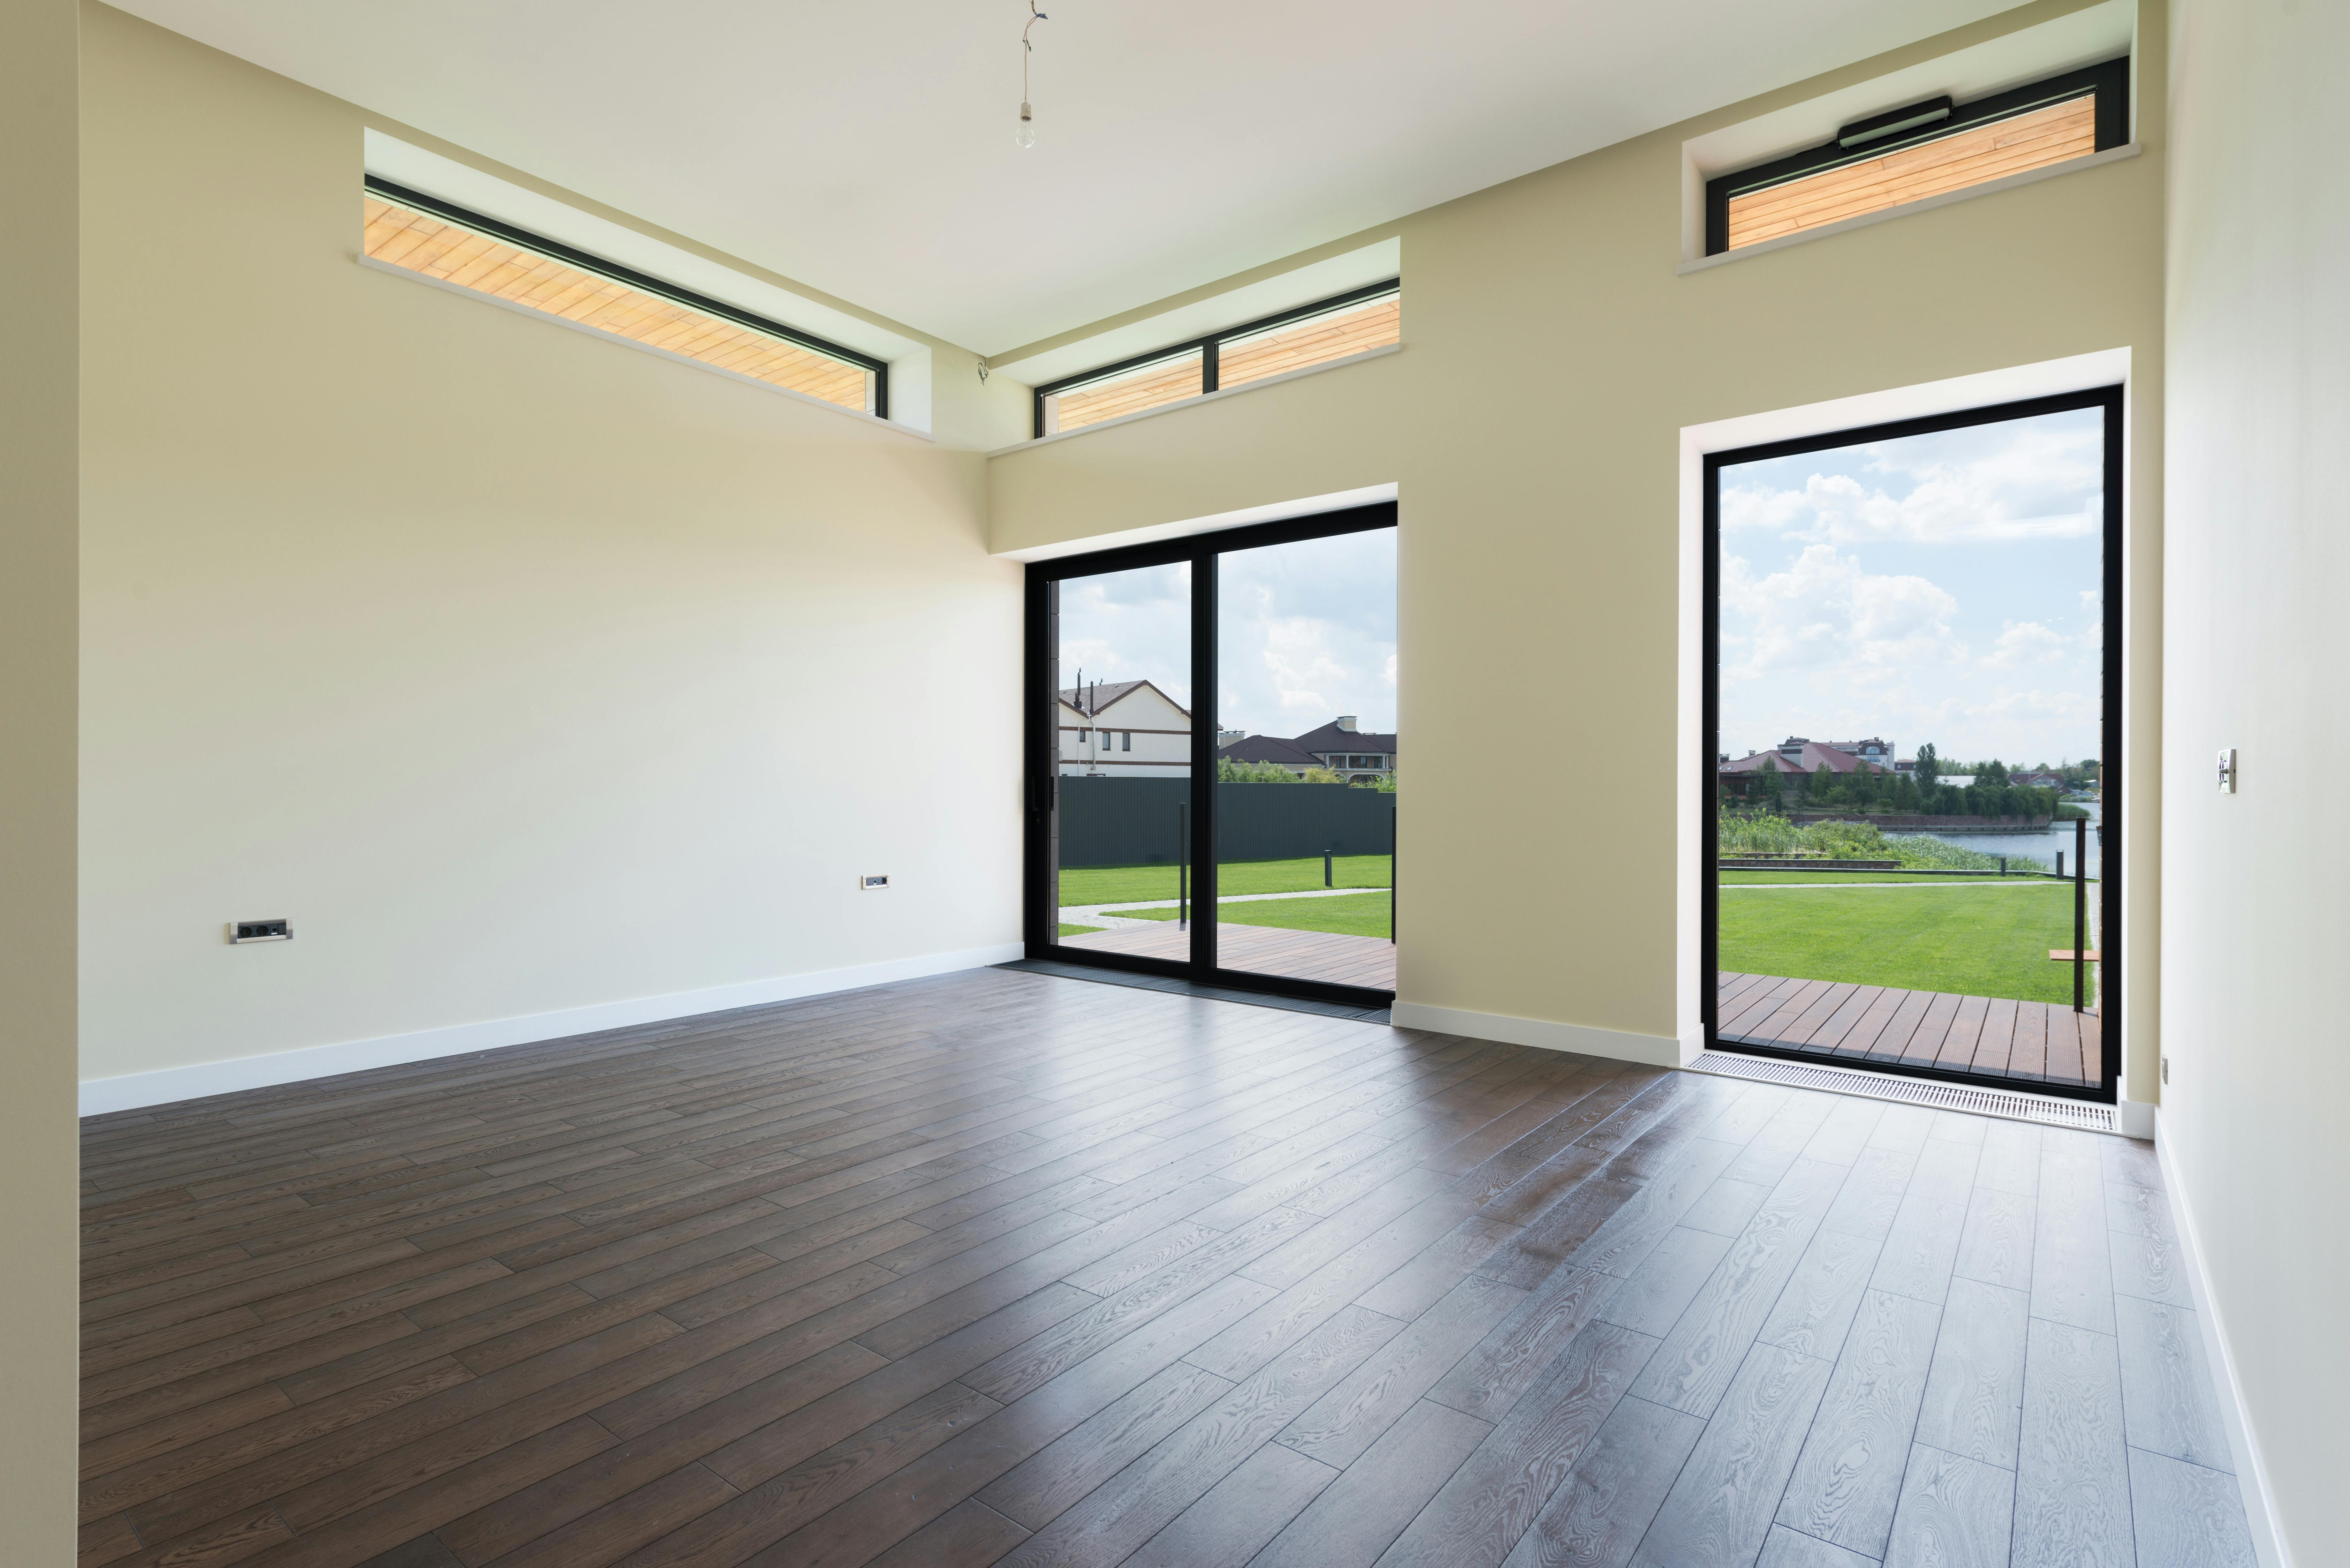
[2036, 1042]
[1262, 949]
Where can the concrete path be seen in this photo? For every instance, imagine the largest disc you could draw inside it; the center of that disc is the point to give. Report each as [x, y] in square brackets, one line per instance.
[1107, 915]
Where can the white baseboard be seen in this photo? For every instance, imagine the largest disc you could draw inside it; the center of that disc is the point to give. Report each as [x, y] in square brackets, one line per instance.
[2251, 1474]
[133, 1091]
[1619, 1045]
[2136, 1118]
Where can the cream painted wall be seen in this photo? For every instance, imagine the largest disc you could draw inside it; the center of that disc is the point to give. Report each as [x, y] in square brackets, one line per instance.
[1552, 356]
[39, 1321]
[521, 671]
[2258, 559]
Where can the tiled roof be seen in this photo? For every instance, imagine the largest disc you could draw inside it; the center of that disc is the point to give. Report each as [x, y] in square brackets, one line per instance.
[1813, 755]
[1269, 749]
[1330, 738]
[1100, 695]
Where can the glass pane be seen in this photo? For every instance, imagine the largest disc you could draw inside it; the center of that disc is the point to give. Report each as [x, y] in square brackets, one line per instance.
[1305, 760]
[431, 246]
[1315, 341]
[1969, 157]
[1911, 705]
[1130, 393]
[1123, 729]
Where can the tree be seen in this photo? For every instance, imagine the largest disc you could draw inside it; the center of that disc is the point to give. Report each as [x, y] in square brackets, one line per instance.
[1929, 766]
[1231, 772]
[1995, 773]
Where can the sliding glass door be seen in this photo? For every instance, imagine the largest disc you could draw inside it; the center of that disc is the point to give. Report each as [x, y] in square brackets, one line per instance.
[1212, 757]
[1913, 688]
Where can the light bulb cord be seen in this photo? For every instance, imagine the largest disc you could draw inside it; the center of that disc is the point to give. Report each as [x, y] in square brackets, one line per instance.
[1026, 49]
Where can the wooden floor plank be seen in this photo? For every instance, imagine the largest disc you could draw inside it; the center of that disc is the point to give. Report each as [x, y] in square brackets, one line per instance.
[969, 1269]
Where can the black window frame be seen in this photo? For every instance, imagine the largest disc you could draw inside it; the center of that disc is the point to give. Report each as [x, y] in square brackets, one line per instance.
[555, 250]
[2112, 871]
[2108, 79]
[1208, 349]
[1040, 915]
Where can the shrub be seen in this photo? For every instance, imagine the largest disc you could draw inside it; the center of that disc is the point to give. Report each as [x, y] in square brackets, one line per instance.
[1741, 834]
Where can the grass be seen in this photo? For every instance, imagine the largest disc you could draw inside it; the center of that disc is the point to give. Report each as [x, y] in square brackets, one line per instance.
[1069, 930]
[1899, 878]
[1979, 941]
[1132, 884]
[1368, 915]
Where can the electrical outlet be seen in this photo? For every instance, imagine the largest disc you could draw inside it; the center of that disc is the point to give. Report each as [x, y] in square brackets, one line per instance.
[242, 931]
[873, 884]
[2228, 771]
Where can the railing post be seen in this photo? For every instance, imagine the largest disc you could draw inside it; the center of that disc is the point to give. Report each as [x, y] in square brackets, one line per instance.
[1183, 868]
[2080, 908]
[1326, 869]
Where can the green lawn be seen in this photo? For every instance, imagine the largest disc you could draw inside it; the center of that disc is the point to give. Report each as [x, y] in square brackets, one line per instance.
[1981, 942]
[1369, 915]
[1069, 930]
[1132, 884]
[1806, 878]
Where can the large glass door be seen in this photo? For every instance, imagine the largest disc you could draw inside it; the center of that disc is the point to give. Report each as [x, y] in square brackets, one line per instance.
[1913, 682]
[1120, 833]
[1212, 773]
[1305, 760]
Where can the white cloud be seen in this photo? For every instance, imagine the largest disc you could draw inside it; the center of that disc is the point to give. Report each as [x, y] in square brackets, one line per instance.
[2033, 479]
[1826, 612]
[2025, 643]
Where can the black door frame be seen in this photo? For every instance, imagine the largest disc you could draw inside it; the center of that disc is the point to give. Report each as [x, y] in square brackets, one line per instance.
[2110, 869]
[1040, 908]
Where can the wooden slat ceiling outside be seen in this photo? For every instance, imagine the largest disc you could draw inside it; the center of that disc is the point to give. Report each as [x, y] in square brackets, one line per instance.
[1145, 389]
[1314, 342]
[2032, 141]
[426, 244]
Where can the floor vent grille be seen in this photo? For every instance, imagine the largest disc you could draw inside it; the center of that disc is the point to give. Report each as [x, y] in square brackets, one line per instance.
[2083, 1114]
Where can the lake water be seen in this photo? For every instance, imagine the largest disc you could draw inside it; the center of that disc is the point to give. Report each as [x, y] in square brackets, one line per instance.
[2040, 846]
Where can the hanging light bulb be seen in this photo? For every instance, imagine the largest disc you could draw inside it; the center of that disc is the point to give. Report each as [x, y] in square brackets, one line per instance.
[1025, 133]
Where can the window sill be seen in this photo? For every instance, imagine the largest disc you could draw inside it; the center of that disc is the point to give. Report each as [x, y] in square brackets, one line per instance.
[602, 337]
[1203, 397]
[1989, 187]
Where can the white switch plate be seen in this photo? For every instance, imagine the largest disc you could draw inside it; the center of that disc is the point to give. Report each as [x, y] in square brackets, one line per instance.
[2228, 771]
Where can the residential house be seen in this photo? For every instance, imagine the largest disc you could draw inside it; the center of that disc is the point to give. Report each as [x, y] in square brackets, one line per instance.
[1759, 773]
[1357, 755]
[1123, 729]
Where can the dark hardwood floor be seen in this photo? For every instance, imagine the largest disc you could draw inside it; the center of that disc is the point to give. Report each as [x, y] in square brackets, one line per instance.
[1005, 1268]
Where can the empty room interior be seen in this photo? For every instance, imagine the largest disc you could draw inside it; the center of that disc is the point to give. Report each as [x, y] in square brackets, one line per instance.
[705, 831]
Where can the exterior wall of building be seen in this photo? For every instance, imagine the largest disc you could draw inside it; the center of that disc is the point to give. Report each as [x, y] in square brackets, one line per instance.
[1160, 731]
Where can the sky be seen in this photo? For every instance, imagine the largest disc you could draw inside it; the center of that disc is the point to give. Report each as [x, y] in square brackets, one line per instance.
[1306, 632]
[1941, 588]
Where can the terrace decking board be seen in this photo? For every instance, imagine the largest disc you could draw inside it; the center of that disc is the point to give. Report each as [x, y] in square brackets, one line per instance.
[825, 1281]
[2034, 1041]
[1958, 1050]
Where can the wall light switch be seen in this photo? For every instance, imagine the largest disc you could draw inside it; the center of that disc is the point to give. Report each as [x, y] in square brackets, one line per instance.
[241, 931]
[2228, 771]
[872, 884]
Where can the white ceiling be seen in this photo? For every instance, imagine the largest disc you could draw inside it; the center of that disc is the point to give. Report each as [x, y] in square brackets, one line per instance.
[866, 149]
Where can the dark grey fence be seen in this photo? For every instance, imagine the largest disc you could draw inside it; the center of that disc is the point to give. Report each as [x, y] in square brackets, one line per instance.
[1132, 822]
